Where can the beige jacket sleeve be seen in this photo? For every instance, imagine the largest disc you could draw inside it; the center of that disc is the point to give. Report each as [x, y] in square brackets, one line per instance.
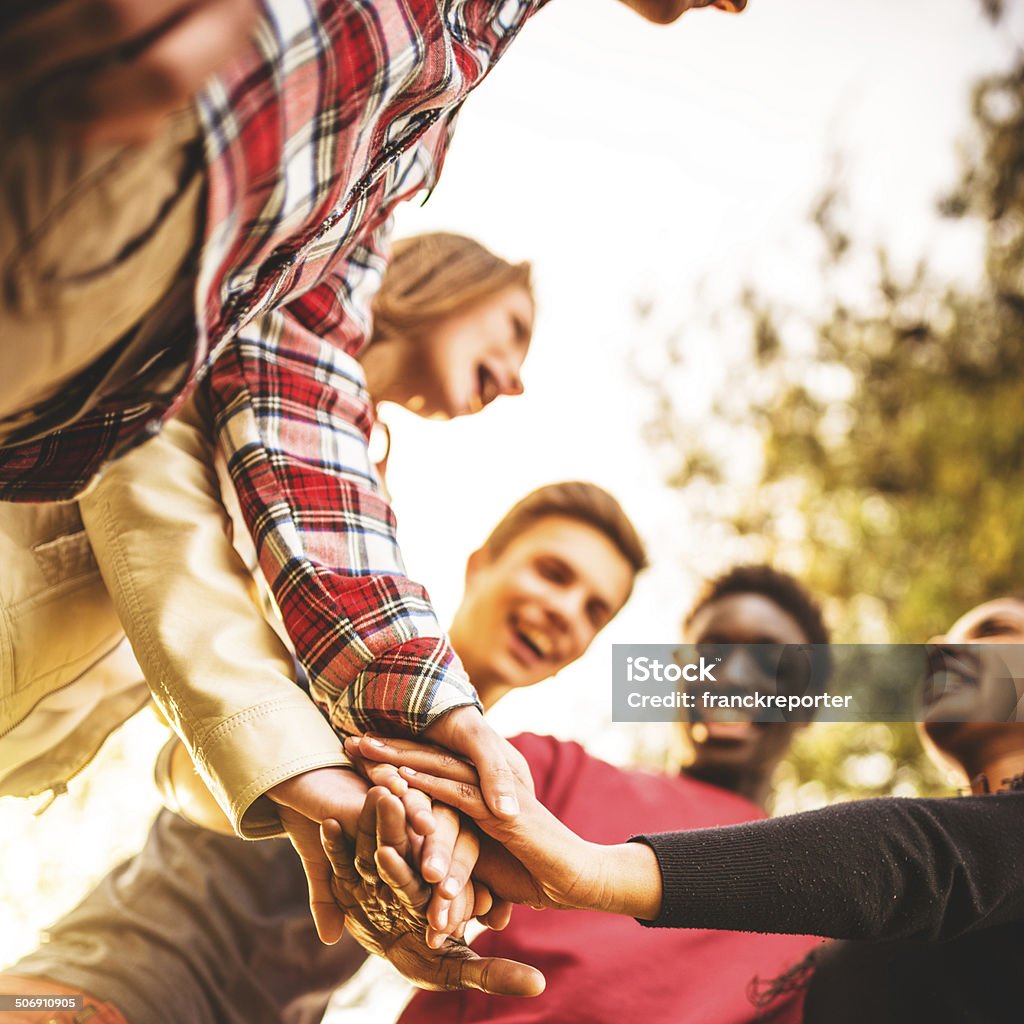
[217, 669]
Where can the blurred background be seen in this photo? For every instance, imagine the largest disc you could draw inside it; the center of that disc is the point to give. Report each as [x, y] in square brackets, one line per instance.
[780, 269]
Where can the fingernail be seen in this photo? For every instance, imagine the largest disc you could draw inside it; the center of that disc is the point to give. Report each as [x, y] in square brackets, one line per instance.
[450, 887]
[434, 866]
[373, 742]
[508, 805]
[407, 771]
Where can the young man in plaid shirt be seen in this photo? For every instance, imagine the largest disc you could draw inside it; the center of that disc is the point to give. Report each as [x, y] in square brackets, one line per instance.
[233, 251]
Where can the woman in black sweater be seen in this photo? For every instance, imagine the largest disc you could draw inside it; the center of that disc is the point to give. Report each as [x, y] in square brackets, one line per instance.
[929, 893]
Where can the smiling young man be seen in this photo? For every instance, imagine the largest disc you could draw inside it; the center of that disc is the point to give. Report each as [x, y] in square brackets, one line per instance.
[601, 968]
[205, 928]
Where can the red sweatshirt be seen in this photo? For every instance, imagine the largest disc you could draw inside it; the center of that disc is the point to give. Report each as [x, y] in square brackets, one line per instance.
[603, 967]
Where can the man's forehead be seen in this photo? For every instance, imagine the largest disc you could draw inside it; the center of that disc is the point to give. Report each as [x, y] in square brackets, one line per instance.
[583, 547]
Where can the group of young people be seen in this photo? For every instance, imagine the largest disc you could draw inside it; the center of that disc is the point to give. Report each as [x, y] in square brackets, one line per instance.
[202, 309]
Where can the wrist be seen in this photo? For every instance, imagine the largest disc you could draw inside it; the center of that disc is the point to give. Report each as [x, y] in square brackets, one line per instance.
[631, 883]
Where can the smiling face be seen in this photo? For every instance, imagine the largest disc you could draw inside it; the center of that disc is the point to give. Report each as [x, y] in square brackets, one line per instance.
[466, 360]
[983, 682]
[723, 750]
[533, 608]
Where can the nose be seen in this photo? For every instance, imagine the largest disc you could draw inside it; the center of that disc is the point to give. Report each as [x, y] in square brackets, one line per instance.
[513, 384]
[732, 6]
[567, 614]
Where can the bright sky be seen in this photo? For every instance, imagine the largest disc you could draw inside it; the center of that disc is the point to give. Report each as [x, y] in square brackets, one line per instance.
[632, 161]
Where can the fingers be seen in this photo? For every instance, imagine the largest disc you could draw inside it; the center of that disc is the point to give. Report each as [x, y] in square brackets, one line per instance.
[391, 822]
[419, 811]
[438, 847]
[433, 760]
[453, 901]
[396, 873]
[385, 775]
[465, 731]
[366, 837]
[463, 860]
[498, 916]
[460, 795]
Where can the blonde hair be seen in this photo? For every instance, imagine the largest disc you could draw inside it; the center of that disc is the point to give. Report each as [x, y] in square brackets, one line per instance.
[435, 275]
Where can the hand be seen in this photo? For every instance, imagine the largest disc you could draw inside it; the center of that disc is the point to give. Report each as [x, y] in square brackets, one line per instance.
[390, 919]
[304, 802]
[502, 769]
[446, 857]
[540, 861]
[110, 70]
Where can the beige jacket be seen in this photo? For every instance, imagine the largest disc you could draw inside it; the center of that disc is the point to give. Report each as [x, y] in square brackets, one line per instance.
[155, 555]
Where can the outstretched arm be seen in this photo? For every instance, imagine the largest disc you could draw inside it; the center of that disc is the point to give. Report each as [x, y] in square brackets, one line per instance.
[924, 869]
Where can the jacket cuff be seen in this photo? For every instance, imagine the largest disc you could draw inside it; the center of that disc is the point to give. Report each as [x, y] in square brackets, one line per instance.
[405, 690]
[266, 737]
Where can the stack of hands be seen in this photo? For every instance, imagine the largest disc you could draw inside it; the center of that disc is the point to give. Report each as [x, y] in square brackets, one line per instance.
[427, 850]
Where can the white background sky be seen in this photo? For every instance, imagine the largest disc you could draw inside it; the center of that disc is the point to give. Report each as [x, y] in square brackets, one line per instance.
[626, 161]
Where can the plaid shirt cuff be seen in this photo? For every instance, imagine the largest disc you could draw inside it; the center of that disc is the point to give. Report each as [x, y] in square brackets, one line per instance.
[405, 690]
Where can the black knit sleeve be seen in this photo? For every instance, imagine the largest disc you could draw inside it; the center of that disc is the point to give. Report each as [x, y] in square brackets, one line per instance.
[871, 869]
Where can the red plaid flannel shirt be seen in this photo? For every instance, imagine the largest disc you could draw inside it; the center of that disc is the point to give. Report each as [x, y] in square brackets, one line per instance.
[343, 109]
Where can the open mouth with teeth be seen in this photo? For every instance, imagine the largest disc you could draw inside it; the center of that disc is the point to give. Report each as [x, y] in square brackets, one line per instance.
[487, 388]
[532, 644]
[950, 673]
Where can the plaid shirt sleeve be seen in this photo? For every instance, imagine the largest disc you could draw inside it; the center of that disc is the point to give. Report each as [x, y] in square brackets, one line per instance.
[293, 419]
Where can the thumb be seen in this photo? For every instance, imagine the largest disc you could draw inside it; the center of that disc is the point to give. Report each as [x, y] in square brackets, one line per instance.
[498, 977]
[304, 834]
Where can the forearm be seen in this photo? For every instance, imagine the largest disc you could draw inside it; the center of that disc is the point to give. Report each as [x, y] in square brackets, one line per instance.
[875, 869]
[215, 666]
[292, 418]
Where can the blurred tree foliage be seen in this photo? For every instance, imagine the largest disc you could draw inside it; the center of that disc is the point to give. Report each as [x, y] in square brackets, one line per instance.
[891, 436]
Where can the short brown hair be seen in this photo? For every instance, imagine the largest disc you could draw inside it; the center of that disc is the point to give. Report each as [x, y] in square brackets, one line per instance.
[785, 592]
[575, 499]
[433, 275]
